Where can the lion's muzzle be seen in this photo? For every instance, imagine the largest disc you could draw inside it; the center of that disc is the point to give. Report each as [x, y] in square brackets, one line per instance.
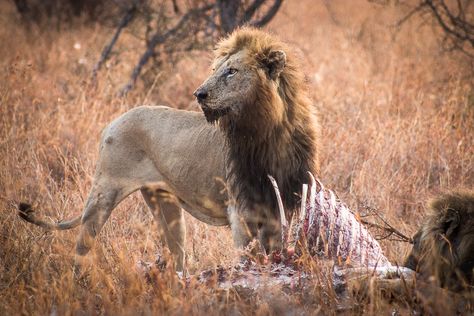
[212, 114]
[201, 94]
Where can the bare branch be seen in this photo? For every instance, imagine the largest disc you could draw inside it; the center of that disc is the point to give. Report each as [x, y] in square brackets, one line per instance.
[412, 12]
[455, 25]
[386, 227]
[250, 12]
[175, 7]
[194, 29]
[459, 29]
[389, 229]
[269, 15]
[108, 48]
[157, 39]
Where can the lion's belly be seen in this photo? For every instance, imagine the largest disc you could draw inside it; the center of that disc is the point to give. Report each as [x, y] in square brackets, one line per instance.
[189, 155]
[216, 217]
[185, 152]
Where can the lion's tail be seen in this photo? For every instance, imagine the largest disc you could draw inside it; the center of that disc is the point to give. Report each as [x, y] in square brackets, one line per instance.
[27, 213]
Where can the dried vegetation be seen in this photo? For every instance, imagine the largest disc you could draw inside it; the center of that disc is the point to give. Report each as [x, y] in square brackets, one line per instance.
[398, 127]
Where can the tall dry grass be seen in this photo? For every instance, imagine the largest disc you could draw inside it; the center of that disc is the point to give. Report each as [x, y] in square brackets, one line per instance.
[398, 127]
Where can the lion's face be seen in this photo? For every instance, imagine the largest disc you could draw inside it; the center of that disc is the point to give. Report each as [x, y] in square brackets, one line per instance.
[231, 86]
[236, 83]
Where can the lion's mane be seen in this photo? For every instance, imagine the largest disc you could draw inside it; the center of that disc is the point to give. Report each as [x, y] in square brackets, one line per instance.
[278, 135]
[444, 245]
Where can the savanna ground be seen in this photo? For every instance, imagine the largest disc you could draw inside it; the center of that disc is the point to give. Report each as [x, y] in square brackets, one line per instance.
[397, 113]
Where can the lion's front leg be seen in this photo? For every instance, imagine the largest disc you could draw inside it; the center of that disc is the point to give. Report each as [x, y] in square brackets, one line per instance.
[245, 232]
[241, 231]
[169, 215]
[255, 230]
[270, 234]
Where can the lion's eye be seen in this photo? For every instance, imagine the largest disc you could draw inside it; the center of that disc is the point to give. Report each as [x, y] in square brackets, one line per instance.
[231, 72]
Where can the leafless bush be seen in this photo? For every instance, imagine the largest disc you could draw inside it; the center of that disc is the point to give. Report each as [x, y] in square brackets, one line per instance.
[192, 25]
[456, 20]
[181, 25]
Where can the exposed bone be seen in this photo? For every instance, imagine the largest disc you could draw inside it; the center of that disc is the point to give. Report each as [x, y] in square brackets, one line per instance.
[249, 278]
[295, 228]
[332, 232]
[284, 223]
[252, 277]
[312, 197]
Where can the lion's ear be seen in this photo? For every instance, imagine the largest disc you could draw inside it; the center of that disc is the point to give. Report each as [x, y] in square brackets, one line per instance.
[275, 63]
[451, 222]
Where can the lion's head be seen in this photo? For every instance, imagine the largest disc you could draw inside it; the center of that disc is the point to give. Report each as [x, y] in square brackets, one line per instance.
[254, 79]
[444, 246]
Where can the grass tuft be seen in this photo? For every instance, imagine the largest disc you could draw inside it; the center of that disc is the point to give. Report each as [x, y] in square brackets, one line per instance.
[398, 127]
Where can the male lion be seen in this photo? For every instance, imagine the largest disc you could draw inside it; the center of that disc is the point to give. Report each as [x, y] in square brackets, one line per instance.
[264, 126]
[444, 246]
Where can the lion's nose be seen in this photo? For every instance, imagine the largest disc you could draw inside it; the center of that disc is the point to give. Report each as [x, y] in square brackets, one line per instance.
[201, 94]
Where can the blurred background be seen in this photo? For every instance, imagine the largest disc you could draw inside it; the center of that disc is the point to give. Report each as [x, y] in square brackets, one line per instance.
[392, 81]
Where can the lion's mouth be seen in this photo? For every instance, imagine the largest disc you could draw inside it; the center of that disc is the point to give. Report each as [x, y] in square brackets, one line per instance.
[213, 115]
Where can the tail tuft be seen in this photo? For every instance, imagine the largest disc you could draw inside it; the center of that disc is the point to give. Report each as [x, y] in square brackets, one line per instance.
[25, 210]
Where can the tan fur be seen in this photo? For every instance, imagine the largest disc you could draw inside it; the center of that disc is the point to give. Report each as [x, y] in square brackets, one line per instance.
[174, 157]
[179, 161]
[444, 245]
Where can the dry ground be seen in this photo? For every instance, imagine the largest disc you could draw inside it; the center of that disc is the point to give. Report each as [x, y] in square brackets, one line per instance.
[398, 127]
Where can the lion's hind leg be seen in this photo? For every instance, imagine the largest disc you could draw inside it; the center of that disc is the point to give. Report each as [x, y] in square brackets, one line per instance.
[105, 195]
[170, 216]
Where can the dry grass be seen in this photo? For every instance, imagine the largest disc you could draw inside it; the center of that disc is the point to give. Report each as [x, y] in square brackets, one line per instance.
[398, 127]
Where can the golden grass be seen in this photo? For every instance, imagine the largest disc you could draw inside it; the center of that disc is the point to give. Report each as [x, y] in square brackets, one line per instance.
[398, 127]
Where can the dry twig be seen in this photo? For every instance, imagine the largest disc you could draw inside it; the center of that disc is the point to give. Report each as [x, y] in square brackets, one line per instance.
[129, 15]
[456, 23]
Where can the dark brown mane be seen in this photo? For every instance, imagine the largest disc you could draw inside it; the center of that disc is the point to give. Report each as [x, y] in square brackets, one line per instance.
[444, 246]
[277, 135]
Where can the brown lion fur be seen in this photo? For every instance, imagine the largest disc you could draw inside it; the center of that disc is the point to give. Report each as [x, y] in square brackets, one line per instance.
[444, 246]
[278, 133]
